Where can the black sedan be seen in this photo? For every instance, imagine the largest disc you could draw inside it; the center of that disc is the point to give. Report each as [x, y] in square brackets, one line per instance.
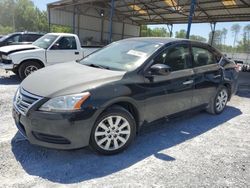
[103, 100]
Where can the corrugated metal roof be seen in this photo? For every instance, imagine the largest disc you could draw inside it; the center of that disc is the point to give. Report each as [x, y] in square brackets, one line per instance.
[168, 11]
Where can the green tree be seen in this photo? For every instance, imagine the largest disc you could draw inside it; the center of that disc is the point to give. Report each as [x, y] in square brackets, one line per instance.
[155, 32]
[21, 15]
[224, 35]
[61, 29]
[198, 38]
[180, 34]
[246, 38]
[217, 39]
[235, 30]
[5, 30]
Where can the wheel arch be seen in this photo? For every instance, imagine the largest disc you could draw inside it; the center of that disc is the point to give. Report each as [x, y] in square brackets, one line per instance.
[130, 106]
[229, 89]
[32, 59]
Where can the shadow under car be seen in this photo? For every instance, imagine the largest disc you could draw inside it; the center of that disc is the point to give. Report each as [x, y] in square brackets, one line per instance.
[80, 165]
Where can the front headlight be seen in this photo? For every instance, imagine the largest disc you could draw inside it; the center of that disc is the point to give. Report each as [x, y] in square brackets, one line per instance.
[6, 57]
[65, 103]
[16, 94]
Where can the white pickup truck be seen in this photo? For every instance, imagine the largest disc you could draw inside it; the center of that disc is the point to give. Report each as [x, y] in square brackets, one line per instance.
[50, 49]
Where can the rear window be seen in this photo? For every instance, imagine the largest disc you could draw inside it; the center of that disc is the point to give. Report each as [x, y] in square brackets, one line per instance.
[30, 37]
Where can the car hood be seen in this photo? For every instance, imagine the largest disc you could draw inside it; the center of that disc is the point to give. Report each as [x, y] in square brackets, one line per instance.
[16, 48]
[68, 78]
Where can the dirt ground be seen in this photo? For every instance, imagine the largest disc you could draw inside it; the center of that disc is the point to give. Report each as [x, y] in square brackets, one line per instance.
[199, 150]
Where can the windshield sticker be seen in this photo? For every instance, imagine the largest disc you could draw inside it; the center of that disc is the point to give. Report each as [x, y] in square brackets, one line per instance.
[137, 53]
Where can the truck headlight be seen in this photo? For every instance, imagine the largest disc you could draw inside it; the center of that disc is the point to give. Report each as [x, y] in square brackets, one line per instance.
[65, 103]
[6, 57]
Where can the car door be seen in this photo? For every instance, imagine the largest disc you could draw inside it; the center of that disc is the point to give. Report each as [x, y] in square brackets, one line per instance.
[63, 50]
[170, 94]
[208, 73]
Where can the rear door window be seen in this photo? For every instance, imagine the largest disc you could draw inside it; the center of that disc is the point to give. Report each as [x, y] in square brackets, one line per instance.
[14, 39]
[30, 37]
[202, 56]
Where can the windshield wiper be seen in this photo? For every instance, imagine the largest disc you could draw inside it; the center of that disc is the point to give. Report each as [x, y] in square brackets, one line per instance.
[98, 66]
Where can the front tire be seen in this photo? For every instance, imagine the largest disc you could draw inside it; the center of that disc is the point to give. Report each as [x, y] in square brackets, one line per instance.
[113, 131]
[27, 68]
[219, 102]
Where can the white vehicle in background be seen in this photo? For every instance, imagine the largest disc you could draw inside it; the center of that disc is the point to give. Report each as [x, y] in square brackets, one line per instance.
[50, 49]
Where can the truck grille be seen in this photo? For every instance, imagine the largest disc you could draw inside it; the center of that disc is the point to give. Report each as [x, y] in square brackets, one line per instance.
[24, 100]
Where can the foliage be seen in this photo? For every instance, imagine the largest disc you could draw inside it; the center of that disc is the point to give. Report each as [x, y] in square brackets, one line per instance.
[21, 15]
[156, 32]
[238, 46]
[61, 29]
[235, 30]
[198, 38]
[5, 30]
[180, 34]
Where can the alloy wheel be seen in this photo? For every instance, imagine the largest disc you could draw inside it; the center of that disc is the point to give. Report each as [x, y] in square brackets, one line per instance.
[29, 69]
[221, 100]
[112, 133]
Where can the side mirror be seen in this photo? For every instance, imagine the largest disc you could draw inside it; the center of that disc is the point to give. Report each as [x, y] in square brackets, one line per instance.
[160, 69]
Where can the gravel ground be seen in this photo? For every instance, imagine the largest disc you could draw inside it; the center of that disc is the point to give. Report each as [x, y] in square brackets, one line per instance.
[199, 150]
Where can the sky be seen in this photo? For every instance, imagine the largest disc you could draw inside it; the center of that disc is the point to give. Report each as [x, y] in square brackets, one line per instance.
[196, 29]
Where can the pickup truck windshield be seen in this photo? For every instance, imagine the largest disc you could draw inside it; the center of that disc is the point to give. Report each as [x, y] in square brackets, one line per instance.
[45, 41]
[126, 55]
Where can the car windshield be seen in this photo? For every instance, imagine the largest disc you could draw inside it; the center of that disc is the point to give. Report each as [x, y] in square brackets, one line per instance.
[45, 41]
[5, 37]
[124, 55]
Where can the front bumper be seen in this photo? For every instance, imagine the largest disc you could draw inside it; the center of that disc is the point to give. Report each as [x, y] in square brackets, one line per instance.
[6, 66]
[56, 130]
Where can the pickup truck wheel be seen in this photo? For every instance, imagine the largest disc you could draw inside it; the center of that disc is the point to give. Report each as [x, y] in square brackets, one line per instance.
[113, 131]
[27, 68]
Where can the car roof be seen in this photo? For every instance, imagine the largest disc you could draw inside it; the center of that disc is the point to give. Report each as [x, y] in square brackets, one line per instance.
[165, 40]
[63, 34]
[27, 32]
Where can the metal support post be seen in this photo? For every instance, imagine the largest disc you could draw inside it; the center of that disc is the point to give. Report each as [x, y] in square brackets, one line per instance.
[212, 25]
[49, 18]
[74, 20]
[111, 20]
[170, 29]
[190, 18]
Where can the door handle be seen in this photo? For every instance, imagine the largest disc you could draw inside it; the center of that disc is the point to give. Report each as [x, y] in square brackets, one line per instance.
[77, 53]
[217, 76]
[188, 82]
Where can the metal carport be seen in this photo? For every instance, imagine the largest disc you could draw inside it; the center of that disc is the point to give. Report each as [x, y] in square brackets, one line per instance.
[109, 20]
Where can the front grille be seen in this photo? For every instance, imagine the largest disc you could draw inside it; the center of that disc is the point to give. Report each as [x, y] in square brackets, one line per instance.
[50, 138]
[7, 62]
[24, 100]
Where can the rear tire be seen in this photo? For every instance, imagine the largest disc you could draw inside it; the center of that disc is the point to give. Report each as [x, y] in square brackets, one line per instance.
[27, 68]
[219, 102]
[113, 131]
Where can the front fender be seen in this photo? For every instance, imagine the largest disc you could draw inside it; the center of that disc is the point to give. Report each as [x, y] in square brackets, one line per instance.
[37, 54]
[104, 97]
